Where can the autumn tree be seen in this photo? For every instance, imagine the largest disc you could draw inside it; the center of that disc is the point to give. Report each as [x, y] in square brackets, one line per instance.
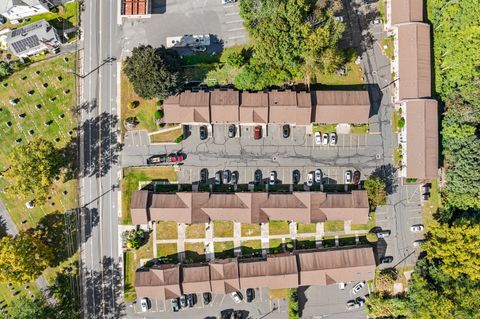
[382, 306]
[33, 167]
[153, 73]
[26, 308]
[377, 194]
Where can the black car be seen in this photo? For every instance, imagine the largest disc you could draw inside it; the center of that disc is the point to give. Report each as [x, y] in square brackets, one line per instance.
[232, 129]
[3, 20]
[234, 178]
[156, 159]
[218, 178]
[258, 176]
[296, 176]
[250, 294]
[191, 298]
[286, 131]
[226, 176]
[386, 260]
[203, 175]
[203, 132]
[207, 297]
[237, 314]
[226, 314]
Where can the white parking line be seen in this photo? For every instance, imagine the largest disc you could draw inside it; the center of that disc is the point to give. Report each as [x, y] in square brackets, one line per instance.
[236, 29]
[233, 21]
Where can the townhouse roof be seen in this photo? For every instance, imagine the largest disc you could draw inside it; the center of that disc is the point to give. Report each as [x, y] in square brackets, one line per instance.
[31, 37]
[403, 11]
[333, 266]
[224, 106]
[290, 107]
[333, 107]
[224, 275]
[247, 207]
[414, 61]
[253, 273]
[134, 7]
[196, 279]
[421, 126]
[282, 271]
[254, 107]
[162, 282]
[187, 107]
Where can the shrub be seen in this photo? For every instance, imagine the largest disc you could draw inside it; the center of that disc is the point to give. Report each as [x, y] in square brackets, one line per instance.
[133, 105]
[372, 237]
[159, 103]
[158, 114]
[401, 123]
[293, 312]
[235, 59]
[179, 139]
[135, 239]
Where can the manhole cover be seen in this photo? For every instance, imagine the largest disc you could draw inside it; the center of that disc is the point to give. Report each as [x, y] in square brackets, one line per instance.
[274, 158]
[374, 72]
[378, 156]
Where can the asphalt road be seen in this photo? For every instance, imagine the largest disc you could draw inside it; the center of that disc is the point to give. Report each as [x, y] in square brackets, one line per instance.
[99, 170]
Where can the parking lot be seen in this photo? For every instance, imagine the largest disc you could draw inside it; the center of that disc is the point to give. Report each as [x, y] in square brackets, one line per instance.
[260, 306]
[177, 17]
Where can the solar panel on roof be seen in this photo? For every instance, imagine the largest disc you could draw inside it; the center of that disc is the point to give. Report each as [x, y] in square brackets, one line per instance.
[26, 29]
[27, 43]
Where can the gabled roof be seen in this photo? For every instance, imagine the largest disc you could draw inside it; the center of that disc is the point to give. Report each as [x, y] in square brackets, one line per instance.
[31, 37]
[161, 282]
[406, 11]
[6, 5]
[134, 7]
[253, 274]
[282, 271]
[414, 62]
[139, 207]
[224, 106]
[290, 107]
[333, 107]
[224, 275]
[196, 279]
[187, 107]
[254, 107]
[421, 125]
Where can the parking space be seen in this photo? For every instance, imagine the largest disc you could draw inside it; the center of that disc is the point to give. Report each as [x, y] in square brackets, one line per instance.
[260, 306]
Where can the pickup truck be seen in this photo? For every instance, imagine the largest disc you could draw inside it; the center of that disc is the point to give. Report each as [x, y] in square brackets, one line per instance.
[164, 159]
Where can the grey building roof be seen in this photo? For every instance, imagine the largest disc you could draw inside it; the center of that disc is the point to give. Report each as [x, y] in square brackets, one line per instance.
[32, 38]
[5, 5]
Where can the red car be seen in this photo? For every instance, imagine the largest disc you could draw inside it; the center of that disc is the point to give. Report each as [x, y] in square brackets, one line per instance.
[176, 158]
[356, 178]
[257, 133]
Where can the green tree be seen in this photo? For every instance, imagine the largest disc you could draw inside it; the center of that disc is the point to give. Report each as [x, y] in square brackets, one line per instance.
[376, 192]
[5, 70]
[23, 258]
[33, 167]
[293, 311]
[153, 73]
[26, 308]
[235, 59]
[382, 306]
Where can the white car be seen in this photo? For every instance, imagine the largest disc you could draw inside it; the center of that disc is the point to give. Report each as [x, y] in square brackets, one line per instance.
[383, 234]
[236, 296]
[348, 177]
[318, 138]
[325, 139]
[358, 287]
[342, 285]
[273, 178]
[352, 305]
[333, 138]
[339, 18]
[228, 1]
[376, 21]
[417, 243]
[145, 304]
[310, 179]
[416, 228]
[318, 176]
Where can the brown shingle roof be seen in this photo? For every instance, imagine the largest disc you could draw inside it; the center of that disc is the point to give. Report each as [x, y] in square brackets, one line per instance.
[187, 107]
[414, 63]
[253, 274]
[224, 106]
[282, 271]
[139, 207]
[196, 279]
[285, 108]
[254, 107]
[333, 107]
[332, 266]
[406, 11]
[160, 282]
[224, 276]
[422, 138]
[337, 206]
[134, 7]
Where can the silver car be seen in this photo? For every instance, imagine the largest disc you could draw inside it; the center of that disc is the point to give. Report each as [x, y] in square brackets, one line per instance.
[273, 178]
[333, 138]
[325, 139]
[318, 176]
[348, 177]
[310, 179]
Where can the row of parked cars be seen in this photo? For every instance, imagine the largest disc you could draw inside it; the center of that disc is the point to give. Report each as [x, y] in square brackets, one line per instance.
[164, 159]
[257, 132]
[325, 138]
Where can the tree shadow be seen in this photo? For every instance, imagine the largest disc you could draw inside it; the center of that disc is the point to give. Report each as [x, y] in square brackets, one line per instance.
[302, 299]
[85, 106]
[101, 147]
[91, 218]
[387, 174]
[66, 291]
[3, 227]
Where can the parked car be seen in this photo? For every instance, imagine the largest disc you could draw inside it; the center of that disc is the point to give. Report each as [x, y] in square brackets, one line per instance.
[234, 178]
[175, 158]
[226, 176]
[348, 177]
[258, 176]
[201, 48]
[228, 1]
[310, 179]
[3, 20]
[273, 178]
[333, 138]
[352, 305]
[250, 294]
[156, 159]
[426, 188]
[191, 299]
[207, 297]
[318, 138]
[325, 139]
[356, 178]
[237, 314]
[376, 21]
[296, 176]
[360, 301]
[339, 18]
[175, 305]
[232, 130]
[145, 304]
[203, 175]
[183, 301]
[203, 132]
[425, 196]
[418, 243]
[218, 178]
[236, 296]
[358, 287]
[383, 234]
[226, 314]
[386, 259]
[416, 228]
[342, 285]
[318, 176]
[257, 132]
[286, 131]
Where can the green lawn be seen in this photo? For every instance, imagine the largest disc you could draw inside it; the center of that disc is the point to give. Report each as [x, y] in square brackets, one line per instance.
[223, 249]
[130, 182]
[388, 47]
[278, 227]
[275, 246]
[194, 252]
[195, 231]
[222, 228]
[166, 137]
[306, 228]
[353, 76]
[251, 230]
[306, 243]
[359, 129]
[167, 230]
[68, 13]
[131, 262]
[396, 116]
[324, 128]
[168, 250]
[368, 226]
[432, 205]
[331, 226]
[251, 246]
